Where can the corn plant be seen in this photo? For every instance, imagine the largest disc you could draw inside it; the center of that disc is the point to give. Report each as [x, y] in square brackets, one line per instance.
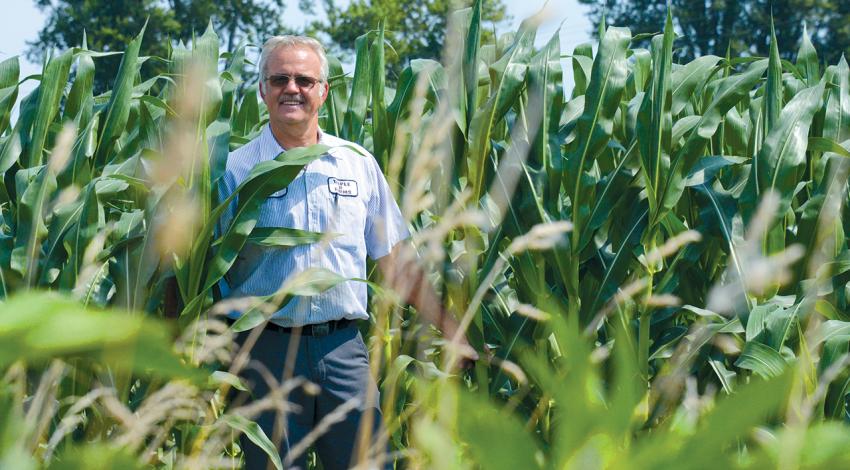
[653, 265]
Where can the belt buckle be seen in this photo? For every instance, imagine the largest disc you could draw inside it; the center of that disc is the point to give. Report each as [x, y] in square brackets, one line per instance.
[321, 329]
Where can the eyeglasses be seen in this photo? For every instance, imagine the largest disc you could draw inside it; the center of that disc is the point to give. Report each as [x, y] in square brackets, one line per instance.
[301, 81]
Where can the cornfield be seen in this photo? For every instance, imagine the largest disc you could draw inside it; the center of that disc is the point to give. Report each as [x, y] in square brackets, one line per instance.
[654, 268]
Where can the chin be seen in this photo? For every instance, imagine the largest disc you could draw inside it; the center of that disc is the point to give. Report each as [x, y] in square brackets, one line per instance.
[292, 115]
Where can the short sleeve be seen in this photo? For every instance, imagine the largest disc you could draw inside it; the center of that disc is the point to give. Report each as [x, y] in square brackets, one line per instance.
[226, 186]
[385, 226]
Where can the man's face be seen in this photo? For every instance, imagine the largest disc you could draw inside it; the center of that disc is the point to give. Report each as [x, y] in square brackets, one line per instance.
[292, 104]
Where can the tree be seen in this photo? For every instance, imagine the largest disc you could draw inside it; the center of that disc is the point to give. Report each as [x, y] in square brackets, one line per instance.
[413, 29]
[109, 26]
[234, 20]
[710, 26]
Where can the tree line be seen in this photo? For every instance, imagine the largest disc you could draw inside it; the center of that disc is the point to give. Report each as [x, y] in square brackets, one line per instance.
[740, 27]
[416, 29]
[413, 29]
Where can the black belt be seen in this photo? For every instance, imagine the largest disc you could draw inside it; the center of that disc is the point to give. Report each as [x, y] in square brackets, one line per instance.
[314, 329]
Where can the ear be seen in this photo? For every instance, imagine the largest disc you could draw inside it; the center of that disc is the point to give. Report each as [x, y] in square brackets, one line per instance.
[262, 90]
[323, 92]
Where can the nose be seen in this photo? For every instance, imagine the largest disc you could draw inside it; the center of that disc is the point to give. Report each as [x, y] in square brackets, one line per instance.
[291, 87]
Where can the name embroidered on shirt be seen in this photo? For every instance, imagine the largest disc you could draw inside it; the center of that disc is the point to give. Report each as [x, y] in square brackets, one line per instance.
[342, 187]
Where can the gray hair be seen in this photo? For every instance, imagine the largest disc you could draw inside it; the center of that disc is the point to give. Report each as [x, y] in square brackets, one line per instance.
[275, 42]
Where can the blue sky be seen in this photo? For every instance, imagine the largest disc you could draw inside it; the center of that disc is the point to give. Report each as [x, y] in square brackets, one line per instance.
[21, 21]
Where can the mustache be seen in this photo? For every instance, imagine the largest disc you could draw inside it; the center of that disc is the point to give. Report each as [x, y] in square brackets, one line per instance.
[296, 97]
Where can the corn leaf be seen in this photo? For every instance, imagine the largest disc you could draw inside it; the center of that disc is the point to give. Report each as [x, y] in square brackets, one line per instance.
[595, 126]
[9, 74]
[761, 359]
[655, 124]
[53, 81]
[508, 76]
[807, 60]
[255, 434]
[358, 100]
[118, 109]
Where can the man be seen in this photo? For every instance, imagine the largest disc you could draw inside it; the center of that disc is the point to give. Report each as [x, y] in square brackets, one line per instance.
[342, 192]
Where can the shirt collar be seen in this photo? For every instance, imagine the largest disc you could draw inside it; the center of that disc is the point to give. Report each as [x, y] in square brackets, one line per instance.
[272, 148]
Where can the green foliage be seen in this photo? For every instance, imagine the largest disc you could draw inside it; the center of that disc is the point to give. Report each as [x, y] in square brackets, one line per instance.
[416, 30]
[654, 268]
[109, 26]
[36, 328]
[742, 26]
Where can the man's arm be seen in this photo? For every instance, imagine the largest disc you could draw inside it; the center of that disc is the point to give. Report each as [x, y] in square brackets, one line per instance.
[386, 236]
[404, 274]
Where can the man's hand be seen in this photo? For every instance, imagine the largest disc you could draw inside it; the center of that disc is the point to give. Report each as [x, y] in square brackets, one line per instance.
[457, 345]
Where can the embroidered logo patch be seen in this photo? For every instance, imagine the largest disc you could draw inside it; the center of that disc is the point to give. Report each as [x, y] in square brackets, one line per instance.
[280, 193]
[342, 187]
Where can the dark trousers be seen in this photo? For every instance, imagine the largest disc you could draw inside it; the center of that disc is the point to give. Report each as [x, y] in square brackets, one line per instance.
[339, 364]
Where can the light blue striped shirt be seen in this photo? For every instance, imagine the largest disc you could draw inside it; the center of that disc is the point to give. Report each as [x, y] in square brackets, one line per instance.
[341, 192]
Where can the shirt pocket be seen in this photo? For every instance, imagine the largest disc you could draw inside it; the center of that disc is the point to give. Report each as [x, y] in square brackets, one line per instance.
[348, 215]
[276, 210]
